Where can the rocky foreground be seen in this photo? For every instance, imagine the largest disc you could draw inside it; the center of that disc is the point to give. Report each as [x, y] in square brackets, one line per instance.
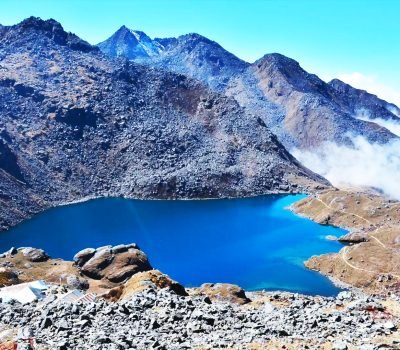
[141, 308]
[162, 319]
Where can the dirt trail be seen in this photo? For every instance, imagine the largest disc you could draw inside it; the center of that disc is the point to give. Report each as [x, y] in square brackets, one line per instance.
[344, 250]
[342, 211]
[345, 260]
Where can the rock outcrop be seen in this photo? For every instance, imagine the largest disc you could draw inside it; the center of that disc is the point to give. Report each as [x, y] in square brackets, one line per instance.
[223, 292]
[131, 44]
[98, 270]
[144, 281]
[116, 264]
[34, 254]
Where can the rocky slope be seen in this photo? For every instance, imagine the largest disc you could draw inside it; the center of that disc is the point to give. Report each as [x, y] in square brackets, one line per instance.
[75, 124]
[309, 114]
[199, 58]
[359, 101]
[301, 109]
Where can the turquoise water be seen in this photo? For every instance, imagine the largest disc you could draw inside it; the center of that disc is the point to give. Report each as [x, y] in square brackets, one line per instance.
[252, 242]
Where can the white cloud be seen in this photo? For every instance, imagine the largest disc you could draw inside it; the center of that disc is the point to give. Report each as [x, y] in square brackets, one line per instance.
[391, 125]
[372, 85]
[363, 164]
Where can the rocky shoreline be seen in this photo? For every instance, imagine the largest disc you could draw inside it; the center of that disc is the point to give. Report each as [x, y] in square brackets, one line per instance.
[369, 258]
[144, 309]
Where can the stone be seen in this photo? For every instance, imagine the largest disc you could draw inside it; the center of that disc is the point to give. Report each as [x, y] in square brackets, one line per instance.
[353, 238]
[389, 325]
[34, 254]
[339, 345]
[94, 267]
[126, 264]
[47, 322]
[75, 282]
[24, 333]
[83, 256]
[224, 292]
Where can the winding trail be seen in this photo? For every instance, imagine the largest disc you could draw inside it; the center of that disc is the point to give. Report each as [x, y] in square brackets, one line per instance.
[345, 260]
[356, 215]
[344, 249]
[344, 212]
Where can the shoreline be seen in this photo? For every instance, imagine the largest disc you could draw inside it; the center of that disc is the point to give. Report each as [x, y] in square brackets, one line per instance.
[292, 198]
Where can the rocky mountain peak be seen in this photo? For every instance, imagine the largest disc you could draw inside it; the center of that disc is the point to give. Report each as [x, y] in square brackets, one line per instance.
[277, 66]
[39, 24]
[35, 29]
[196, 39]
[131, 44]
[278, 60]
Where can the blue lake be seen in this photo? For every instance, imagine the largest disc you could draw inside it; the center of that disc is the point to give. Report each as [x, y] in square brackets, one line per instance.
[253, 242]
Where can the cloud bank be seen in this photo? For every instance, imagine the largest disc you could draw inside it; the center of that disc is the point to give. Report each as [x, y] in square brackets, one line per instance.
[362, 164]
[372, 85]
[392, 125]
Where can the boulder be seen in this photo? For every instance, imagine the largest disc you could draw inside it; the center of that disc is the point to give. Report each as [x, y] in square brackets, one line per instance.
[8, 277]
[353, 238]
[75, 282]
[126, 264]
[116, 264]
[223, 292]
[34, 254]
[94, 267]
[141, 281]
[83, 256]
[339, 345]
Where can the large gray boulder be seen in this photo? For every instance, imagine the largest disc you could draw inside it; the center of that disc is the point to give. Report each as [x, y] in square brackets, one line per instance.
[34, 254]
[116, 264]
[94, 267]
[83, 256]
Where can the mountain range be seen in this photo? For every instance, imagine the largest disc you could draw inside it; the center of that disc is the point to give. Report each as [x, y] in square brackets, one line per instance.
[160, 118]
[77, 124]
[301, 109]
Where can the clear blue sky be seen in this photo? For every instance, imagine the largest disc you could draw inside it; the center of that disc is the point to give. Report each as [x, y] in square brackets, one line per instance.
[329, 37]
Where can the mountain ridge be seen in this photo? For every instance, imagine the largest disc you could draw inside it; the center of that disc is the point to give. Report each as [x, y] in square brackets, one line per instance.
[294, 105]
